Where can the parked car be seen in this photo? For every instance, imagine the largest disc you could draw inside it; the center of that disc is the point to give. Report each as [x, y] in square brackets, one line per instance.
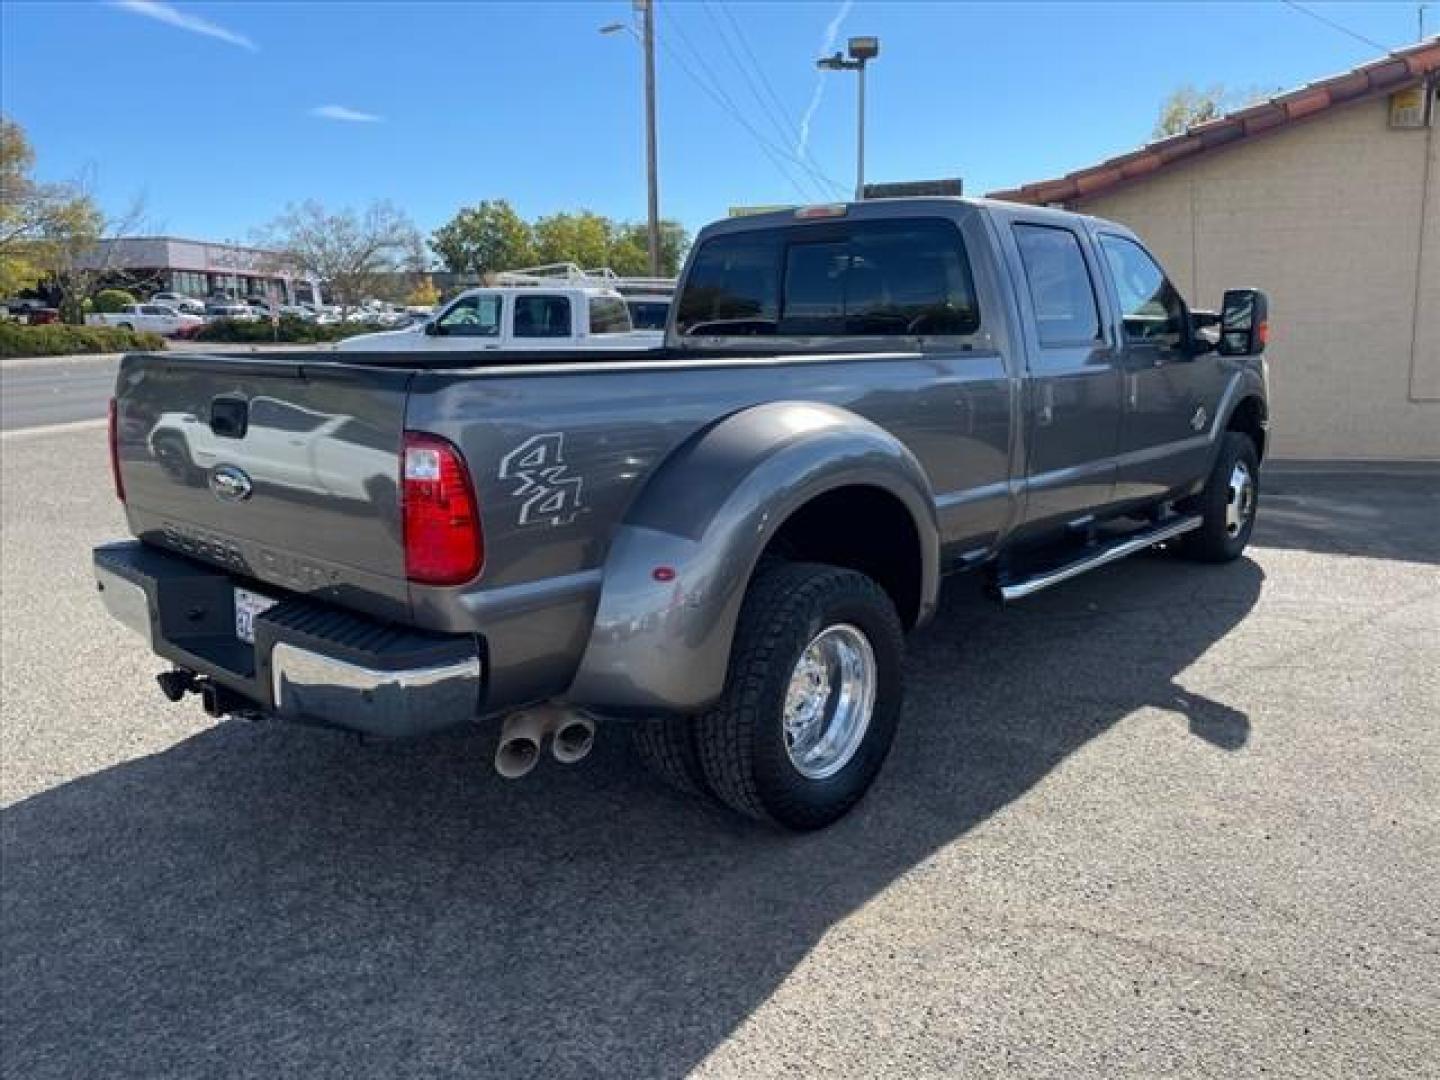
[30, 312]
[151, 318]
[519, 317]
[230, 309]
[180, 302]
[718, 545]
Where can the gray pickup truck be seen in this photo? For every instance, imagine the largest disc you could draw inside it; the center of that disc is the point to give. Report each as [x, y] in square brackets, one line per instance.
[719, 545]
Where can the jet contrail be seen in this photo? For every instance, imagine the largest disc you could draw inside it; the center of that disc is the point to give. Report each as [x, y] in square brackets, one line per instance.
[827, 46]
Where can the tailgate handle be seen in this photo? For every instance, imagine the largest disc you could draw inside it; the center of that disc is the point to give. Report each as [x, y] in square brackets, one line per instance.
[229, 417]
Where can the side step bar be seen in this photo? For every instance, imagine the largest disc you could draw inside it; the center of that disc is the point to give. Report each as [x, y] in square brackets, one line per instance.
[1019, 588]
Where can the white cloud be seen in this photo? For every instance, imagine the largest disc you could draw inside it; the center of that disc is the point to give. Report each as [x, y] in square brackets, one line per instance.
[827, 46]
[340, 112]
[153, 9]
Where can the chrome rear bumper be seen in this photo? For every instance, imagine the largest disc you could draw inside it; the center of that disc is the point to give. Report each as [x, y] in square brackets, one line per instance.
[310, 685]
[310, 662]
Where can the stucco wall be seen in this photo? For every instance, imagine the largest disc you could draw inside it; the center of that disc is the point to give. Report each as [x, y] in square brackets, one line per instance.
[1328, 217]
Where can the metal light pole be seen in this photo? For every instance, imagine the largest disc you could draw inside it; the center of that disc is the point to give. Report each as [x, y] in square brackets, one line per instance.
[861, 49]
[646, 37]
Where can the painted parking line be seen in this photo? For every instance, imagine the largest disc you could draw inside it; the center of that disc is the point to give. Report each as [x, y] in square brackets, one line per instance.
[52, 429]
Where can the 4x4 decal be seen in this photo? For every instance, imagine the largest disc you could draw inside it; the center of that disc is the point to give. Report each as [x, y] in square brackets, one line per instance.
[551, 494]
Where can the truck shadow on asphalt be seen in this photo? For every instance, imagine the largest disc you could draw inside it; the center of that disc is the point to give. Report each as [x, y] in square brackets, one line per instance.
[270, 901]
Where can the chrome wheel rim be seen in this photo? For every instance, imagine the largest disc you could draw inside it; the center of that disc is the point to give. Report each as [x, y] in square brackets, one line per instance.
[1241, 502]
[829, 701]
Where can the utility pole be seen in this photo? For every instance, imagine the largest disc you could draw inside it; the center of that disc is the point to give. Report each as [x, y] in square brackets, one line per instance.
[1420, 17]
[646, 8]
[861, 49]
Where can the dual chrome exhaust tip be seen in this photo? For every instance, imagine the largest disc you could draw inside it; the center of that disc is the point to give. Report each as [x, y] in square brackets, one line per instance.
[522, 739]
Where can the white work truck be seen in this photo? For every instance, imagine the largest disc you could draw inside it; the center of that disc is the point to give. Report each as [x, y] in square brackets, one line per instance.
[525, 311]
[155, 318]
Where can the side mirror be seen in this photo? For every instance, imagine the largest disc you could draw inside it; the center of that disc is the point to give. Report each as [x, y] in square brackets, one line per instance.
[433, 329]
[1244, 322]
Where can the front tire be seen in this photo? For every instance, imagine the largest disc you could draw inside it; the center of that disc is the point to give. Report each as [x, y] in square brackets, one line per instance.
[811, 700]
[1227, 504]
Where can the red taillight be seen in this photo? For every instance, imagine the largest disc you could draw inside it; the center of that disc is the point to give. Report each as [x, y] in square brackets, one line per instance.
[115, 451]
[444, 544]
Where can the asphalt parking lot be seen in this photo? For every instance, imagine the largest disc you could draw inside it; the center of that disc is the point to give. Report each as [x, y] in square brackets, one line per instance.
[1166, 820]
[73, 389]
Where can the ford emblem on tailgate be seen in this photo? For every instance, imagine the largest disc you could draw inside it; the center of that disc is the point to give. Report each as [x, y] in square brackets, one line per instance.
[230, 484]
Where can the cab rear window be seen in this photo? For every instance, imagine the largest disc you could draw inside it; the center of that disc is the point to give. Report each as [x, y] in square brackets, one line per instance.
[873, 278]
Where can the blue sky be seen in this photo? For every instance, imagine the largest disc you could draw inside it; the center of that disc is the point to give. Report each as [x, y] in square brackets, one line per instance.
[220, 114]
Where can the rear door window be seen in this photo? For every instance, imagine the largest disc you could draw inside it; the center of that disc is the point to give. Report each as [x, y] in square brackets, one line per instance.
[1060, 287]
[876, 278]
[282, 416]
[542, 316]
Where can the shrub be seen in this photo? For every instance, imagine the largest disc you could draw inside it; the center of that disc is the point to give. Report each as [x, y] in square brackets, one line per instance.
[291, 331]
[112, 300]
[60, 339]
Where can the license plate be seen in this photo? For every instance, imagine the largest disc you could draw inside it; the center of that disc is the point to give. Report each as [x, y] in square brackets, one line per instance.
[247, 606]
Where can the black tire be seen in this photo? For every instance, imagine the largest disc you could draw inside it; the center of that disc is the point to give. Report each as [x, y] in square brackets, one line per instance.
[667, 748]
[741, 740]
[126, 326]
[1217, 540]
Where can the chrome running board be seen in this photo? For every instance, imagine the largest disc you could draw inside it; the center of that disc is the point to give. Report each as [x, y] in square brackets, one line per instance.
[1019, 588]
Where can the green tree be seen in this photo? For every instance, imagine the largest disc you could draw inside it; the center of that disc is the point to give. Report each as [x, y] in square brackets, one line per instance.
[112, 300]
[34, 216]
[583, 237]
[630, 249]
[484, 239]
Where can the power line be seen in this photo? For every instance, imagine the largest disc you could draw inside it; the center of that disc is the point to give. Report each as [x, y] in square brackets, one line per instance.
[1337, 26]
[782, 128]
[712, 87]
[776, 121]
[759, 70]
[778, 156]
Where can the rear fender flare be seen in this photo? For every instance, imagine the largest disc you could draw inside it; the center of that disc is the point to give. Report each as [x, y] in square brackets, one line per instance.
[678, 566]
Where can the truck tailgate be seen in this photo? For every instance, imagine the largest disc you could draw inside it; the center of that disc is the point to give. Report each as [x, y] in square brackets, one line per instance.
[283, 472]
